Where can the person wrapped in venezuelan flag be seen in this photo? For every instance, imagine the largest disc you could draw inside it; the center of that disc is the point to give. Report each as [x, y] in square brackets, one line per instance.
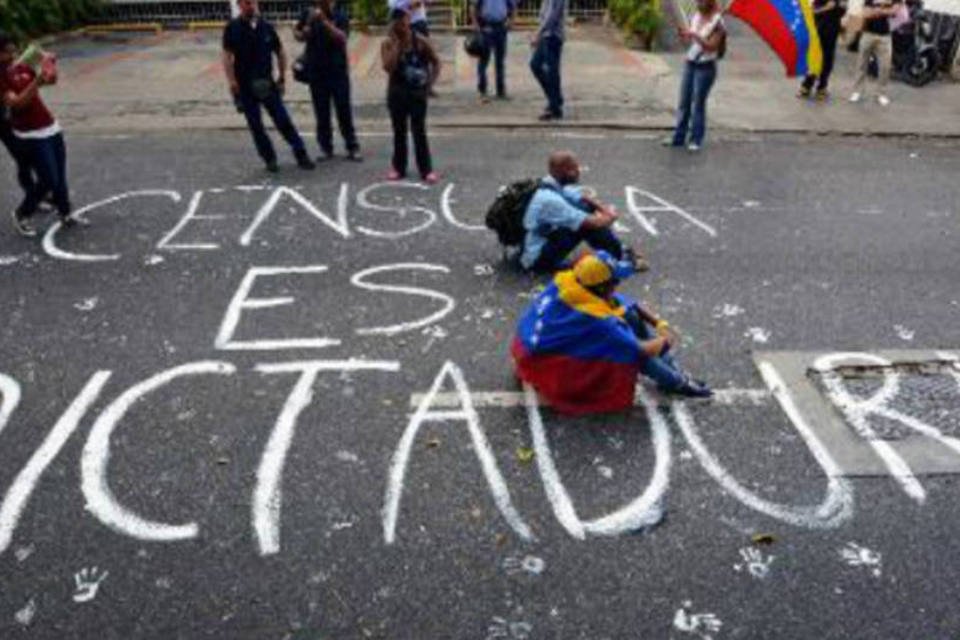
[581, 344]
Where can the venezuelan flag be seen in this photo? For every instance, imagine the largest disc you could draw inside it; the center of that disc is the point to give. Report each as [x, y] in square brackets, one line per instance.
[576, 350]
[789, 28]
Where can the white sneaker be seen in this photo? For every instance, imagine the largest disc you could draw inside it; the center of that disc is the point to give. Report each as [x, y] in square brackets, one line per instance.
[693, 147]
[856, 97]
[883, 100]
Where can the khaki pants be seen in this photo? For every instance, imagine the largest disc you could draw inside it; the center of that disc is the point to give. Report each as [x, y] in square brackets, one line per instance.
[882, 46]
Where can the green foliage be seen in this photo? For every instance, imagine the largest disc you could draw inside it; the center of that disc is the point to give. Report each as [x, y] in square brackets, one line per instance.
[29, 18]
[642, 18]
[368, 11]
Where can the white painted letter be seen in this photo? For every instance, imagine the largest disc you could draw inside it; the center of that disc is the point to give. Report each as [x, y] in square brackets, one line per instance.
[448, 303]
[488, 462]
[645, 511]
[401, 211]
[54, 251]
[340, 225]
[267, 496]
[445, 201]
[19, 492]
[191, 214]
[224, 340]
[10, 390]
[96, 456]
[638, 210]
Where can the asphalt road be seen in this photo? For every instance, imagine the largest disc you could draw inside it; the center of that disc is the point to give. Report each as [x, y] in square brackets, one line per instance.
[239, 497]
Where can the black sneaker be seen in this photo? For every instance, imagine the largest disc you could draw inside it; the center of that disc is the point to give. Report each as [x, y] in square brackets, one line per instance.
[548, 116]
[694, 389]
[272, 166]
[23, 226]
[325, 156]
[73, 221]
[354, 155]
[306, 163]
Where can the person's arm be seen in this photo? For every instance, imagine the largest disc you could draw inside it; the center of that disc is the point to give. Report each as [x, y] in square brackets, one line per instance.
[712, 42]
[229, 71]
[15, 100]
[475, 14]
[653, 348]
[599, 219]
[830, 6]
[340, 37]
[433, 60]
[389, 55]
[281, 65]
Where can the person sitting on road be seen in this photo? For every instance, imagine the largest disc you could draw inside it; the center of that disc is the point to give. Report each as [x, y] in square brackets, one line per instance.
[560, 217]
[581, 345]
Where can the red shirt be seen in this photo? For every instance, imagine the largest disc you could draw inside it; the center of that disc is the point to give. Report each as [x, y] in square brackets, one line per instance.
[33, 116]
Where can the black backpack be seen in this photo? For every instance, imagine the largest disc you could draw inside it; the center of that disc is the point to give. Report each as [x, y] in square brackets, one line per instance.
[505, 215]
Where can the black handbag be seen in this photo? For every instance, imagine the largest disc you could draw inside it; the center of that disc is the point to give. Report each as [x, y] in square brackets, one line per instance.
[299, 68]
[475, 45]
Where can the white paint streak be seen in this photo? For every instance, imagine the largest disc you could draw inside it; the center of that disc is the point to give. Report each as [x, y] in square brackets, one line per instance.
[509, 399]
[757, 334]
[26, 481]
[10, 393]
[402, 211]
[267, 495]
[51, 248]
[447, 210]
[191, 214]
[837, 506]
[662, 206]
[95, 459]
[481, 446]
[340, 225]
[240, 301]
[359, 280]
[644, 511]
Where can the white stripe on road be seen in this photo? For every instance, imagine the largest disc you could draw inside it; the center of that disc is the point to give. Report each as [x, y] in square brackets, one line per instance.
[508, 399]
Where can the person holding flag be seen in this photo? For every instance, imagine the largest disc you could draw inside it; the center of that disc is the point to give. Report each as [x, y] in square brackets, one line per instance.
[581, 344]
[827, 15]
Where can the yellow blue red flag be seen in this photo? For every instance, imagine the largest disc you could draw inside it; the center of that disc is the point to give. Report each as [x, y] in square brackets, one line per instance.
[788, 27]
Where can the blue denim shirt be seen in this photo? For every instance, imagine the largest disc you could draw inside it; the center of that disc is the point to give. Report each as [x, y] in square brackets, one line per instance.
[551, 18]
[548, 210]
[495, 10]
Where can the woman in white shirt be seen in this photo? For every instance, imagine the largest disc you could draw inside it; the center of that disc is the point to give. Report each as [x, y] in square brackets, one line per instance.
[706, 35]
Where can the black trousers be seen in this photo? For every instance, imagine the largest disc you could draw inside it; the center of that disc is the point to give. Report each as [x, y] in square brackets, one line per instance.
[18, 152]
[828, 42]
[333, 86]
[408, 112]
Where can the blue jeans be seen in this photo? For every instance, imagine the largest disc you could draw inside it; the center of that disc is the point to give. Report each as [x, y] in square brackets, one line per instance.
[281, 118]
[545, 65]
[695, 87]
[48, 158]
[661, 369]
[495, 39]
[19, 155]
[333, 86]
[560, 242]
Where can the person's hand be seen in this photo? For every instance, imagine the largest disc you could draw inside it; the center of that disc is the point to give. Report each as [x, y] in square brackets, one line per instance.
[534, 40]
[234, 87]
[281, 85]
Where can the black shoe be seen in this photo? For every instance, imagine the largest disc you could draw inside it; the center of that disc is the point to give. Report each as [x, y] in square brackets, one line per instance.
[354, 155]
[306, 163]
[694, 389]
[73, 221]
[548, 116]
[23, 226]
[272, 166]
[503, 97]
[326, 155]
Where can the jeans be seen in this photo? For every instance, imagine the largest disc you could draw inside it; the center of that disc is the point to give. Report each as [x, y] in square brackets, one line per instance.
[661, 369]
[495, 39]
[545, 65]
[408, 111]
[281, 118]
[882, 47]
[560, 242]
[828, 42]
[19, 154]
[48, 157]
[695, 87]
[333, 86]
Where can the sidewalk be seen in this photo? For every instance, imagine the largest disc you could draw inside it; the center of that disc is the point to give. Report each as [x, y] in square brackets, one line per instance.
[174, 81]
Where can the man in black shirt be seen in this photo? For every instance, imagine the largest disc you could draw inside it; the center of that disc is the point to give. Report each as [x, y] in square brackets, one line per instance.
[249, 44]
[827, 15]
[325, 28]
[876, 40]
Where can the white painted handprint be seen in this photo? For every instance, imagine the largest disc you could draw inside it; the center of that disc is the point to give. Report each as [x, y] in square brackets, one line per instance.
[703, 625]
[88, 583]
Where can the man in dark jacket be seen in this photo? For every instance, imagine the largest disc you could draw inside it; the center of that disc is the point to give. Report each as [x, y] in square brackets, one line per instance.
[249, 44]
[325, 28]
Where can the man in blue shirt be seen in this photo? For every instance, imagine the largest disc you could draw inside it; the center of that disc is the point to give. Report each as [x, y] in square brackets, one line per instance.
[492, 18]
[560, 216]
[545, 63]
[249, 44]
